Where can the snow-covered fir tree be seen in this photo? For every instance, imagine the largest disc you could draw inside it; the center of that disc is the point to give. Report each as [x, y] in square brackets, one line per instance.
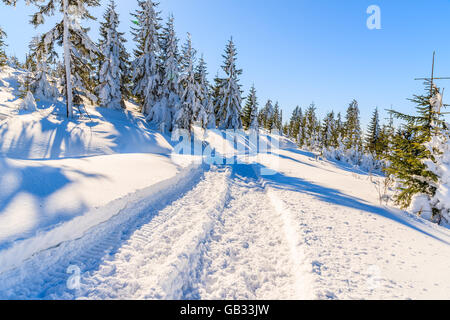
[410, 152]
[228, 104]
[169, 100]
[352, 129]
[373, 135]
[328, 131]
[146, 76]
[437, 207]
[277, 118]
[207, 117]
[41, 54]
[295, 122]
[250, 111]
[190, 90]
[266, 116]
[112, 68]
[311, 128]
[79, 50]
[2, 48]
[386, 135]
[339, 132]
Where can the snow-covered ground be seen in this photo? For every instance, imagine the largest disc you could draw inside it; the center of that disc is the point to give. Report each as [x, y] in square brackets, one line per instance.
[100, 208]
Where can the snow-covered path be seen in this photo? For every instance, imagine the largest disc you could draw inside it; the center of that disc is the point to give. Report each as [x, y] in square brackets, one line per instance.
[249, 255]
[312, 230]
[160, 259]
[222, 240]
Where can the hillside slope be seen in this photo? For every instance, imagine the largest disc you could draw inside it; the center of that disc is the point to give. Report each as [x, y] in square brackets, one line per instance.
[101, 208]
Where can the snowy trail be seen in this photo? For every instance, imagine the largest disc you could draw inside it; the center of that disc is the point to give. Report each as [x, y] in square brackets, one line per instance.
[160, 259]
[45, 274]
[250, 255]
[220, 241]
[228, 233]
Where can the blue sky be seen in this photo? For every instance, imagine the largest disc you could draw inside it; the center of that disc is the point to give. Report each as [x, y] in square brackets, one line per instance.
[300, 51]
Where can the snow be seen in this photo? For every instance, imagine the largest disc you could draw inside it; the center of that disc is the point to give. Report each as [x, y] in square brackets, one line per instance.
[28, 104]
[104, 207]
[357, 249]
[47, 135]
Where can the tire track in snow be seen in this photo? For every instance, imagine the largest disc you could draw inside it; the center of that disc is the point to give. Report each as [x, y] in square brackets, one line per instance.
[302, 273]
[44, 275]
[159, 260]
[250, 255]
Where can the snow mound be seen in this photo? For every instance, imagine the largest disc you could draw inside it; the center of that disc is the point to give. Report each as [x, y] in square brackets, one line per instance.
[48, 135]
[28, 104]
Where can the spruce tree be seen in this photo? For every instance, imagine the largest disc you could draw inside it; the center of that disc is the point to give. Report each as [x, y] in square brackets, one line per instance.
[250, 111]
[266, 116]
[228, 104]
[410, 153]
[311, 127]
[169, 100]
[339, 133]
[373, 137]
[41, 55]
[386, 137]
[146, 76]
[112, 67]
[295, 123]
[328, 131]
[352, 130]
[190, 90]
[277, 118]
[79, 50]
[207, 117]
[3, 57]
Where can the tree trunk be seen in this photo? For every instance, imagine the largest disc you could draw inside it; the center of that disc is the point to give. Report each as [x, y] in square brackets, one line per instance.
[66, 41]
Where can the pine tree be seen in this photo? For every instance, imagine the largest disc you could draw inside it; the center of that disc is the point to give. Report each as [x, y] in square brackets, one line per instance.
[373, 137]
[207, 117]
[3, 57]
[277, 118]
[169, 101]
[112, 68]
[79, 50]
[146, 76]
[410, 153]
[190, 96]
[328, 131]
[250, 111]
[352, 130]
[311, 127]
[266, 116]
[339, 127]
[228, 104]
[215, 95]
[37, 63]
[386, 136]
[295, 123]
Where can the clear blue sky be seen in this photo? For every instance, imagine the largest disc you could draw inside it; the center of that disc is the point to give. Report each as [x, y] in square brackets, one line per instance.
[299, 51]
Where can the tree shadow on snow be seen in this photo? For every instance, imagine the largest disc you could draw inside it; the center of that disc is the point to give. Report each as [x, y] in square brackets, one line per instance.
[40, 183]
[333, 196]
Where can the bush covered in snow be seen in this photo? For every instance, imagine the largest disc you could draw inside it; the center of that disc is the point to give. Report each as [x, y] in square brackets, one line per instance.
[28, 104]
[437, 208]
[354, 157]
